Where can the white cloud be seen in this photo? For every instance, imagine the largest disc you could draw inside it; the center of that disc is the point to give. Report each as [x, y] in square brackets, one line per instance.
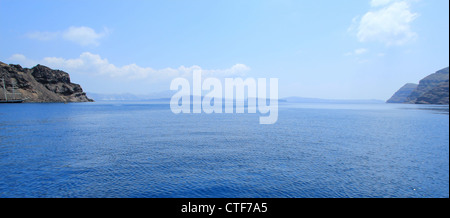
[236, 70]
[84, 36]
[20, 58]
[390, 24]
[93, 64]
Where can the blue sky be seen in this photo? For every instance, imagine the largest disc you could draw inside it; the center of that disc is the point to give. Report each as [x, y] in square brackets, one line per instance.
[350, 49]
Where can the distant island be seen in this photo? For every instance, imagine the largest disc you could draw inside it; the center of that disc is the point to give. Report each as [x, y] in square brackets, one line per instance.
[166, 96]
[38, 84]
[433, 89]
[331, 101]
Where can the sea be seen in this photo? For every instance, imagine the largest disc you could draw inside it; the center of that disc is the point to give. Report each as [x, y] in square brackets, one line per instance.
[143, 150]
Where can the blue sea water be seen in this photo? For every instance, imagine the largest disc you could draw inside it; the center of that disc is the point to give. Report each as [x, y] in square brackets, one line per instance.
[139, 149]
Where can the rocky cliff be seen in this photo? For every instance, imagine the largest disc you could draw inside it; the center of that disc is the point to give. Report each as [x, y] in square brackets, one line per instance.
[40, 84]
[401, 95]
[433, 89]
[427, 85]
[437, 95]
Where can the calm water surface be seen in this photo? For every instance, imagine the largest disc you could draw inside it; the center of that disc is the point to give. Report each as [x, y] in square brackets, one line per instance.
[144, 150]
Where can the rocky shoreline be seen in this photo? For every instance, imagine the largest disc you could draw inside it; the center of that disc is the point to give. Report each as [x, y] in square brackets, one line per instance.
[433, 89]
[40, 84]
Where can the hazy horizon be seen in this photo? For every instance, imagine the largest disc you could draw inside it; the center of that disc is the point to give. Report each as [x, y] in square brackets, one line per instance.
[168, 94]
[318, 49]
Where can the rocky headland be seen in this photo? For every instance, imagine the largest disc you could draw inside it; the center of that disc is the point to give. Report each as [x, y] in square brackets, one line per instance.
[39, 84]
[433, 89]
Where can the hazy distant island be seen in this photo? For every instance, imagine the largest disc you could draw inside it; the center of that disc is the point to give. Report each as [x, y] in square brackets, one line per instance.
[38, 84]
[433, 89]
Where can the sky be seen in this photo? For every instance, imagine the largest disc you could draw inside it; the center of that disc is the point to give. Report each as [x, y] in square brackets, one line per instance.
[349, 49]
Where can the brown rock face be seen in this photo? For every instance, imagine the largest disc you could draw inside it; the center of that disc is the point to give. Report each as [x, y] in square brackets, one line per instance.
[40, 84]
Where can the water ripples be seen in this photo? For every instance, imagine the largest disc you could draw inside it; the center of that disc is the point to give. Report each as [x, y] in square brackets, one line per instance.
[140, 151]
